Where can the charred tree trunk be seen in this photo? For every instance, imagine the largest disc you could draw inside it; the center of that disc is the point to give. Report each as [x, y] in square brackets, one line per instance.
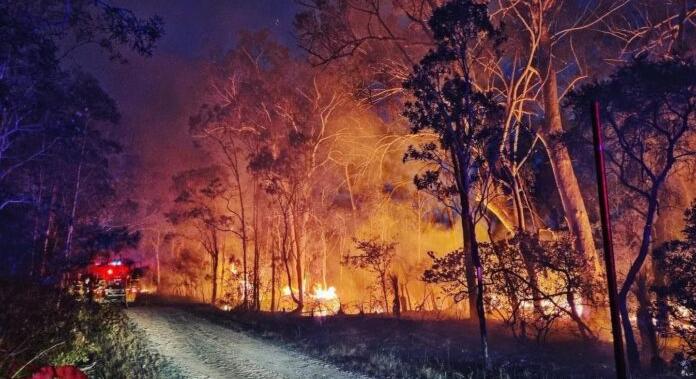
[273, 274]
[257, 236]
[648, 333]
[256, 279]
[291, 228]
[631, 345]
[324, 253]
[299, 257]
[298, 265]
[215, 259]
[406, 296]
[396, 305]
[285, 247]
[234, 164]
[467, 238]
[383, 284]
[461, 165]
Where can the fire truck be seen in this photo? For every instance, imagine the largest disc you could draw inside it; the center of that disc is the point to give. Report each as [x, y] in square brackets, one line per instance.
[116, 280]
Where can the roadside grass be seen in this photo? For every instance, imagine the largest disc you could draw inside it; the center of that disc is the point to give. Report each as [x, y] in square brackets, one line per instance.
[40, 326]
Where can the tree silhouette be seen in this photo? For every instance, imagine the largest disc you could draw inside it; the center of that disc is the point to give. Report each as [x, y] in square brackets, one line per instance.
[447, 103]
[376, 257]
[649, 108]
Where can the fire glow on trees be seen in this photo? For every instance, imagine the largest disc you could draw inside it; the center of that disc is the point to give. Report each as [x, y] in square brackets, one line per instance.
[314, 155]
[416, 159]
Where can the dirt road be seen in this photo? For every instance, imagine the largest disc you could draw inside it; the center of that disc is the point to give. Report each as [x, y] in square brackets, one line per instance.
[194, 347]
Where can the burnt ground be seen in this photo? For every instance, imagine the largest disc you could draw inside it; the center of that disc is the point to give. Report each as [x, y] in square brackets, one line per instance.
[412, 348]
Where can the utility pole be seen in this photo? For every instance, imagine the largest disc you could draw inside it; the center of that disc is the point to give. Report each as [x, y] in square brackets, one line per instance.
[619, 356]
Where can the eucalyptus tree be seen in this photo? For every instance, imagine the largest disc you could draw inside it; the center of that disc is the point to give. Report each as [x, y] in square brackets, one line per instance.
[446, 102]
[50, 108]
[199, 210]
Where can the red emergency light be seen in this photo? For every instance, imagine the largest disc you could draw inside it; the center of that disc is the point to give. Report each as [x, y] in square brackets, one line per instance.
[111, 271]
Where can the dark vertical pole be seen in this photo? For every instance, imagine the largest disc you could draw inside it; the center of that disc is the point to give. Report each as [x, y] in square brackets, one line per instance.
[619, 357]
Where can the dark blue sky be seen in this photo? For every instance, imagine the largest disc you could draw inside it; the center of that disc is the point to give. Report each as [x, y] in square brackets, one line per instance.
[195, 28]
[157, 95]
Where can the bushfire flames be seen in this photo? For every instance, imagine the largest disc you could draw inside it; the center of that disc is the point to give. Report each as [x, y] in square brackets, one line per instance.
[324, 300]
[321, 293]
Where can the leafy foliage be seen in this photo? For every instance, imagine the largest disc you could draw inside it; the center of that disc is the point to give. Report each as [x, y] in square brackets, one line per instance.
[376, 257]
[98, 338]
[649, 108]
[57, 177]
[445, 99]
[679, 259]
[511, 293]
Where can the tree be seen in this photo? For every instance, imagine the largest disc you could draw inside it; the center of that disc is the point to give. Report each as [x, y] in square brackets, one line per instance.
[656, 29]
[512, 293]
[448, 104]
[98, 241]
[376, 257]
[50, 108]
[197, 206]
[376, 41]
[678, 259]
[37, 94]
[552, 64]
[650, 109]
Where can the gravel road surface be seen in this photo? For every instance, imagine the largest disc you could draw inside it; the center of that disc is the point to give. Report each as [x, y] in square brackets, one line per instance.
[194, 347]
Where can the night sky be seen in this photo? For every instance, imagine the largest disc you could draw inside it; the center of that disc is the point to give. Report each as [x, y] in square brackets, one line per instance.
[157, 95]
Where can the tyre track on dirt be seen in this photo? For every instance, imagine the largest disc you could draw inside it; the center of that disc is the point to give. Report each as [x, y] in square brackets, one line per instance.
[197, 348]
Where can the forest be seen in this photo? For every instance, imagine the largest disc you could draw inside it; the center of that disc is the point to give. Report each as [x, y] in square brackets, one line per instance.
[403, 159]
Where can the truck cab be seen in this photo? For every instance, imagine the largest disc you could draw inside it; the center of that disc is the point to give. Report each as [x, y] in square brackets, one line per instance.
[113, 281]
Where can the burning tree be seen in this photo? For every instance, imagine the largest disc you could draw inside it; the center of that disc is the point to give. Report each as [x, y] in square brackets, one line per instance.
[376, 257]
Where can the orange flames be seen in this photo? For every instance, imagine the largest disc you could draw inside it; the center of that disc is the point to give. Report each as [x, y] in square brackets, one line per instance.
[321, 293]
[324, 301]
